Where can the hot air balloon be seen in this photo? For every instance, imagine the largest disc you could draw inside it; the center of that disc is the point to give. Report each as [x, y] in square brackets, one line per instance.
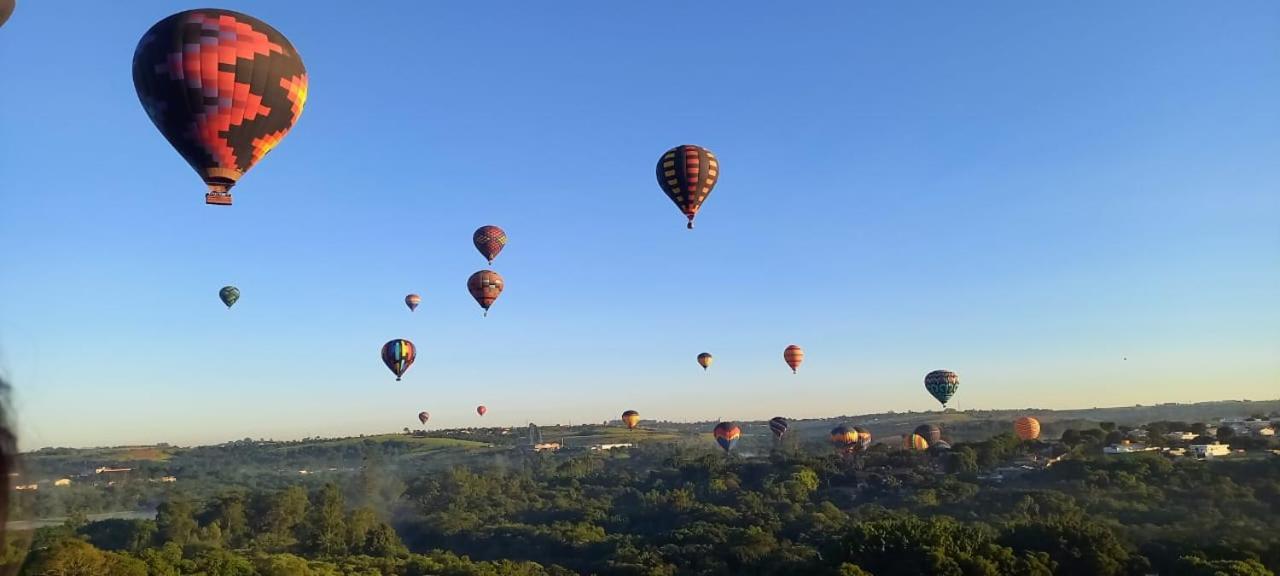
[705, 360]
[939, 446]
[229, 295]
[1027, 428]
[794, 355]
[489, 240]
[398, 355]
[844, 438]
[687, 173]
[930, 432]
[915, 442]
[631, 418]
[412, 301]
[485, 286]
[481, 410]
[864, 437]
[6, 10]
[424, 416]
[727, 434]
[224, 89]
[942, 385]
[778, 425]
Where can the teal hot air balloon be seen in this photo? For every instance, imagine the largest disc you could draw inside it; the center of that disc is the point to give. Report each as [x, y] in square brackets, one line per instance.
[942, 384]
[229, 295]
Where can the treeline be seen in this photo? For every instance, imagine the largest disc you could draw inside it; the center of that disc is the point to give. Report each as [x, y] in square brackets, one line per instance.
[667, 510]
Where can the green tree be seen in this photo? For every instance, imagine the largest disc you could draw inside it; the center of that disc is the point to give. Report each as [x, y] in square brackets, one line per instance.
[326, 527]
[175, 522]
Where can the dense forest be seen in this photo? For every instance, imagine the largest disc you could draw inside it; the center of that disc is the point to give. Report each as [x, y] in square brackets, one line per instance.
[671, 507]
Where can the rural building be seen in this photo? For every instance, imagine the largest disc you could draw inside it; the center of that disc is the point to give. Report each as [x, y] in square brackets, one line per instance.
[62, 482]
[1127, 449]
[106, 470]
[546, 447]
[599, 447]
[26, 487]
[1209, 450]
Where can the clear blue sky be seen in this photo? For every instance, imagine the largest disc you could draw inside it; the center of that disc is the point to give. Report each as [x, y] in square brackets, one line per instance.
[1025, 193]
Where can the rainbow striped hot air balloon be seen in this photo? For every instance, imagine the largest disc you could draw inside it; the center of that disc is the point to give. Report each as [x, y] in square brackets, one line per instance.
[398, 355]
[727, 434]
[1027, 428]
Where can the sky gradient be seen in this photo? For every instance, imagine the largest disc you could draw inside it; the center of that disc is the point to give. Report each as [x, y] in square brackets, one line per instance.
[1025, 193]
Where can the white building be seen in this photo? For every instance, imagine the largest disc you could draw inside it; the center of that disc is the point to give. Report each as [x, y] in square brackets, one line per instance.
[1127, 449]
[62, 482]
[1180, 436]
[1267, 432]
[546, 447]
[1209, 450]
[610, 446]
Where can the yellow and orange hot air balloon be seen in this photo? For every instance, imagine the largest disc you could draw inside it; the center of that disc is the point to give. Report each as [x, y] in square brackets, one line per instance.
[631, 418]
[1027, 428]
[915, 442]
[794, 355]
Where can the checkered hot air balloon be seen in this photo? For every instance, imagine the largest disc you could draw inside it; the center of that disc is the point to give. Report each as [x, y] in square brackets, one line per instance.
[485, 286]
[727, 434]
[489, 240]
[224, 88]
[398, 355]
[942, 385]
[687, 173]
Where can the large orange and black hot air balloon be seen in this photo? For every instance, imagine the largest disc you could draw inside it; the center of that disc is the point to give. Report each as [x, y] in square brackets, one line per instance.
[687, 173]
[793, 355]
[864, 437]
[224, 89]
[631, 418]
[489, 240]
[844, 438]
[6, 10]
[481, 410]
[727, 434]
[1027, 428]
[485, 286]
[398, 355]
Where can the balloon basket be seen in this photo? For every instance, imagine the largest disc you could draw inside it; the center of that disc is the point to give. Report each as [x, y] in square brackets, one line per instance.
[217, 199]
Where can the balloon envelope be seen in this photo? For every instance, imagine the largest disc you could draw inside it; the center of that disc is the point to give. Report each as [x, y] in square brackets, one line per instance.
[915, 442]
[930, 432]
[687, 173]
[423, 417]
[1027, 428]
[793, 355]
[705, 360]
[485, 286]
[398, 355]
[481, 410]
[489, 240]
[778, 425]
[229, 295]
[942, 385]
[224, 88]
[631, 418]
[726, 434]
[6, 10]
[412, 301]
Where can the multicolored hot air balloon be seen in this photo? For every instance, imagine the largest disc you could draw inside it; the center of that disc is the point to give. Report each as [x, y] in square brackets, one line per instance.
[481, 410]
[778, 425]
[424, 416]
[844, 438]
[631, 418]
[6, 10]
[864, 437]
[489, 240]
[794, 355]
[727, 434]
[412, 301]
[485, 286]
[930, 432]
[942, 384]
[1027, 428]
[705, 360]
[398, 355]
[687, 173]
[229, 295]
[224, 89]
[915, 442]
